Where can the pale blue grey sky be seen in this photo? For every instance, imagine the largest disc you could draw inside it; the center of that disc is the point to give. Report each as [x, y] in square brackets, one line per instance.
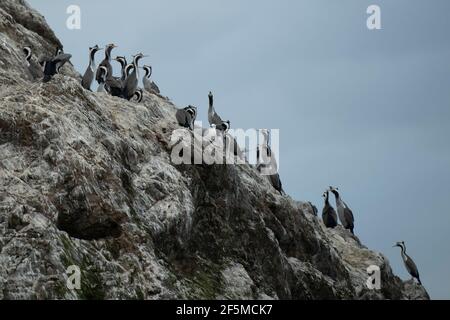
[368, 111]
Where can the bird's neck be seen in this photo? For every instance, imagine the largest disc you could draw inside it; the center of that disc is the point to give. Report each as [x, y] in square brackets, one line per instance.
[108, 54]
[92, 59]
[403, 250]
[136, 67]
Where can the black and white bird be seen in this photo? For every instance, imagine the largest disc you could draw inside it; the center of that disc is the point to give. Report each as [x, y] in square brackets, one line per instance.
[131, 83]
[89, 74]
[53, 65]
[329, 215]
[35, 69]
[409, 263]
[344, 212]
[263, 150]
[102, 73]
[106, 62]
[267, 164]
[186, 117]
[213, 117]
[149, 85]
[123, 64]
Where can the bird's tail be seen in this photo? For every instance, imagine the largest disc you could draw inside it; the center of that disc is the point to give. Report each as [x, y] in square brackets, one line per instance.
[418, 279]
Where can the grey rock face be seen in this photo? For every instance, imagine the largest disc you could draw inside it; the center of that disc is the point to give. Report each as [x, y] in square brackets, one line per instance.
[86, 179]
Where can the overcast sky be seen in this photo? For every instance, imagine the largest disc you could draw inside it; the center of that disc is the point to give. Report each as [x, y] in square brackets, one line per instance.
[367, 111]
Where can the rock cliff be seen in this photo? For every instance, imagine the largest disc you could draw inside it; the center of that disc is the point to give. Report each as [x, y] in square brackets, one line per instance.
[86, 179]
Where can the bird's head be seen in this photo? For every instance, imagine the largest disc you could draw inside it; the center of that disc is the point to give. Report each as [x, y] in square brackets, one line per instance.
[148, 70]
[191, 110]
[400, 244]
[138, 57]
[95, 48]
[27, 52]
[334, 190]
[128, 68]
[122, 60]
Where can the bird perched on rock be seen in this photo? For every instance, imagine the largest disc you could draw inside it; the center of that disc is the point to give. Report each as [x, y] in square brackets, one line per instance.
[123, 64]
[106, 62]
[186, 117]
[89, 74]
[149, 85]
[329, 215]
[53, 65]
[267, 164]
[35, 69]
[131, 83]
[344, 212]
[409, 263]
[102, 73]
[214, 118]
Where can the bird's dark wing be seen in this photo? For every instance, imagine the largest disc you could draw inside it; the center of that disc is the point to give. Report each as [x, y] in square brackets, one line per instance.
[114, 86]
[216, 119]
[181, 116]
[276, 182]
[412, 268]
[348, 213]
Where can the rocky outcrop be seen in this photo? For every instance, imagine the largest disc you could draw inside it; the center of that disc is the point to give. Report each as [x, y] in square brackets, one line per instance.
[86, 179]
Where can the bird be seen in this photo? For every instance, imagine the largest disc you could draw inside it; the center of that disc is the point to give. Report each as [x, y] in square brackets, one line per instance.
[149, 85]
[123, 64]
[329, 215]
[213, 117]
[53, 65]
[263, 150]
[114, 86]
[409, 263]
[268, 167]
[88, 76]
[35, 69]
[344, 212]
[224, 126]
[131, 83]
[103, 73]
[139, 94]
[186, 117]
[276, 182]
[106, 61]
